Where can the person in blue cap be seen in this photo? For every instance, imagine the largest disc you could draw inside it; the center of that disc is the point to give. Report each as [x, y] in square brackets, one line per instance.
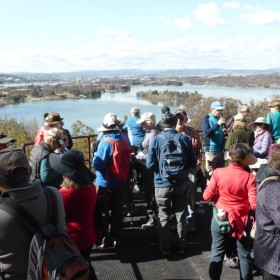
[214, 139]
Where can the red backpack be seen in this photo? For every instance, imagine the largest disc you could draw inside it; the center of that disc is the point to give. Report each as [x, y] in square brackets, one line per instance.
[120, 165]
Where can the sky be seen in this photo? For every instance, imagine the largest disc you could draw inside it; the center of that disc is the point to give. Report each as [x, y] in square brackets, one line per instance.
[73, 35]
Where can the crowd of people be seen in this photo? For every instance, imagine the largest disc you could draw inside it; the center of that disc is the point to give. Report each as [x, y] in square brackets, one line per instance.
[164, 160]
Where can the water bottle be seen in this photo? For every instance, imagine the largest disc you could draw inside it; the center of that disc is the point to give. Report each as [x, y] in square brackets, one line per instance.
[222, 216]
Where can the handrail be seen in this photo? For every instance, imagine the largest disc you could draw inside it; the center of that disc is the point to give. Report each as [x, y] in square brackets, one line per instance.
[82, 143]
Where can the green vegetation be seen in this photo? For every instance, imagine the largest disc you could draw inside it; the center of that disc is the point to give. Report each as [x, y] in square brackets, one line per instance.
[198, 106]
[26, 132]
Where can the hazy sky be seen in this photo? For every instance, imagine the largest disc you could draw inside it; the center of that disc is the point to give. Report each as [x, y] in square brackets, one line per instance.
[71, 35]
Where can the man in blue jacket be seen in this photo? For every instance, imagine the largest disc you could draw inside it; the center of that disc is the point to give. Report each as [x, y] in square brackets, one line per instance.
[112, 164]
[213, 131]
[171, 196]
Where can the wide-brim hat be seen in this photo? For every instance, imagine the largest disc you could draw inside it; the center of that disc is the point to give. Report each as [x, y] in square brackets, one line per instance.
[54, 118]
[260, 120]
[71, 164]
[110, 123]
[5, 140]
[274, 103]
[248, 160]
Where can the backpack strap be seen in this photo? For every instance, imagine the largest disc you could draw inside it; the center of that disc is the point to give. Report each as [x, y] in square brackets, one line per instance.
[18, 212]
[52, 214]
[164, 137]
[24, 217]
[270, 178]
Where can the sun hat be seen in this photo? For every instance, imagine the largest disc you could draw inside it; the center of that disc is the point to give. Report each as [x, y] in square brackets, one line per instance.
[110, 122]
[260, 120]
[240, 118]
[147, 117]
[243, 108]
[274, 103]
[241, 153]
[181, 112]
[217, 105]
[5, 140]
[54, 118]
[71, 164]
[168, 120]
[12, 159]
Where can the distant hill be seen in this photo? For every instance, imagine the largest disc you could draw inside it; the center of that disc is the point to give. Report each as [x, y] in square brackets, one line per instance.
[137, 72]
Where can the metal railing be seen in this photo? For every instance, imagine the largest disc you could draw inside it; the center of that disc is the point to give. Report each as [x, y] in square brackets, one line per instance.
[82, 143]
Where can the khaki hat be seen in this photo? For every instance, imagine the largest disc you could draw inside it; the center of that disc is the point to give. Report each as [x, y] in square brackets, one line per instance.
[12, 159]
[53, 118]
[241, 153]
[274, 103]
[240, 118]
[5, 140]
[147, 117]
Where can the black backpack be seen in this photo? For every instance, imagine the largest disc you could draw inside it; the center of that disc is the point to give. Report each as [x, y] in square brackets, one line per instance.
[53, 253]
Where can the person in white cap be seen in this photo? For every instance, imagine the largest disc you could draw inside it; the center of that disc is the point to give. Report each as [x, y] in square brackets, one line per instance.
[112, 164]
[148, 122]
[243, 110]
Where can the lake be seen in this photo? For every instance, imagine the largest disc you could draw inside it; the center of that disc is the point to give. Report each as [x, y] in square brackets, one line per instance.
[92, 111]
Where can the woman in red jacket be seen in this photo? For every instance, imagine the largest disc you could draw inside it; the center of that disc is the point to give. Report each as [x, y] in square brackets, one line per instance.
[234, 193]
[79, 198]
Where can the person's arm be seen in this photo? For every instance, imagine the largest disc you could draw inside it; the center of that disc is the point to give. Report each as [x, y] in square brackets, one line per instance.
[47, 174]
[207, 130]
[151, 159]
[271, 197]
[211, 190]
[252, 192]
[192, 160]
[269, 119]
[102, 155]
[266, 141]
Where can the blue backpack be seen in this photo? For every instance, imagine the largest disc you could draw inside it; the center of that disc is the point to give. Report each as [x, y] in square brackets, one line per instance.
[172, 159]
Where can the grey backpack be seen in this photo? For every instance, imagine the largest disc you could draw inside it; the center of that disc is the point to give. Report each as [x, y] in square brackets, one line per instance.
[53, 253]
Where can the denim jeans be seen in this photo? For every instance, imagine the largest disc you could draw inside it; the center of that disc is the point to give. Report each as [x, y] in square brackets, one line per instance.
[218, 252]
[171, 200]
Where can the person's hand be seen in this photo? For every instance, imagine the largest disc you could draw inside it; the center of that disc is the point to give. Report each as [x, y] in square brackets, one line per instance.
[140, 156]
[221, 121]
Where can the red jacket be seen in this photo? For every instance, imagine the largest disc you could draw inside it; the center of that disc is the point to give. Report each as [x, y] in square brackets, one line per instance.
[234, 190]
[79, 205]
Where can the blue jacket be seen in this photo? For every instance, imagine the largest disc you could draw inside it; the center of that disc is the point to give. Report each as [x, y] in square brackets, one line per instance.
[103, 157]
[213, 134]
[135, 131]
[152, 160]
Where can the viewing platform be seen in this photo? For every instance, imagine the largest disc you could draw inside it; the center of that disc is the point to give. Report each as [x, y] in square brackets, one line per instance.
[138, 256]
